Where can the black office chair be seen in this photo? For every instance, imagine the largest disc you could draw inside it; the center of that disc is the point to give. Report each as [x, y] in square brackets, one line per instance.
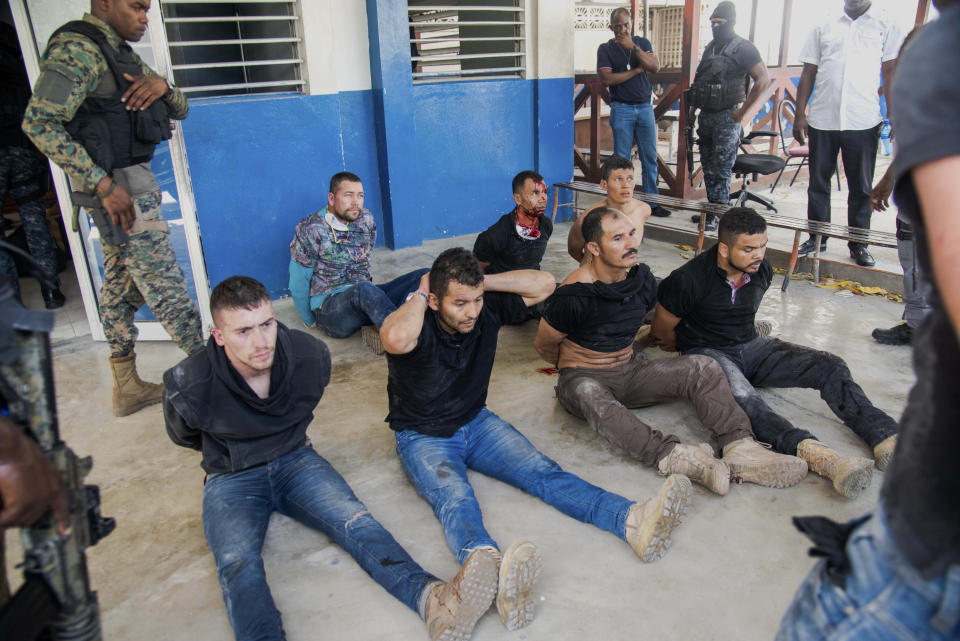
[755, 165]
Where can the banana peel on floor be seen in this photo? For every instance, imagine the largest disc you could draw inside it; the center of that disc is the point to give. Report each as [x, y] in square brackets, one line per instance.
[858, 289]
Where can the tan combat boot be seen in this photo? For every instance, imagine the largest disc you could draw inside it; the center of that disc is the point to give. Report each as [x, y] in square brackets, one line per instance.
[883, 452]
[371, 338]
[750, 462]
[650, 523]
[454, 608]
[130, 394]
[519, 570]
[850, 476]
[699, 464]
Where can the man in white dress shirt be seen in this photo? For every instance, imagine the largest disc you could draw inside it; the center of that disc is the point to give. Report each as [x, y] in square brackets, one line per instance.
[845, 57]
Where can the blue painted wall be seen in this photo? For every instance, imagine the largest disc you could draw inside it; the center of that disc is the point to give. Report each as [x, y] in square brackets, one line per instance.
[259, 165]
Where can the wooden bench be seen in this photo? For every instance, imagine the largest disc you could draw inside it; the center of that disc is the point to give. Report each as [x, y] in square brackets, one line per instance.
[799, 225]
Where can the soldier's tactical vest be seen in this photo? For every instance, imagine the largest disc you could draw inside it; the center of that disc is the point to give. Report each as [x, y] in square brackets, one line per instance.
[113, 136]
[719, 83]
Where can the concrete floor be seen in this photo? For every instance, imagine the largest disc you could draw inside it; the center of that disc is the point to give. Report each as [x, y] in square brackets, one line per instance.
[731, 573]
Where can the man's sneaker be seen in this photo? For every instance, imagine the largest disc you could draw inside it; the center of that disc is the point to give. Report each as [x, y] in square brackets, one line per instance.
[371, 338]
[883, 452]
[850, 476]
[660, 211]
[650, 523]
[763, 328]
[698, 463]
[712, 221]
[901, 334]
[519, 570]
[809, 246]
[750, 462]
[454, 608]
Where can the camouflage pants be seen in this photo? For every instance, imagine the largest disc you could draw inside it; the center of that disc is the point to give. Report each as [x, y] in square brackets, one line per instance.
[21, 172]
[144, 270]
[719, 138]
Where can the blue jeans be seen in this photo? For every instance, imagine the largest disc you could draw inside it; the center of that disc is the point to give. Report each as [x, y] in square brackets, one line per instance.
[342, 314]
[884, 598]
[437, 467]
[305, 487]
[636, 123]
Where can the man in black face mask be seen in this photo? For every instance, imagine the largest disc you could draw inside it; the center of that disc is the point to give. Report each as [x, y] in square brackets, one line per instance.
[719, 91]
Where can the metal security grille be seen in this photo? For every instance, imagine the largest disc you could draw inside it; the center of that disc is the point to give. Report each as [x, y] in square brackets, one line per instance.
[469, 40]
[233, 47]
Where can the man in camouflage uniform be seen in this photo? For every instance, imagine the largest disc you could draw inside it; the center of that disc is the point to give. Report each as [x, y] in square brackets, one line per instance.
[22, 172]
[124, 200]
[330, 268]
[718, 90]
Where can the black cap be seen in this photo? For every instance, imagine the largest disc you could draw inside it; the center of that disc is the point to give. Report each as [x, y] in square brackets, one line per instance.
[726, 10]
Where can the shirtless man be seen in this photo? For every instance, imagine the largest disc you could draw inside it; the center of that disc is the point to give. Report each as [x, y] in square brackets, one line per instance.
[617, 180]
[588, 330]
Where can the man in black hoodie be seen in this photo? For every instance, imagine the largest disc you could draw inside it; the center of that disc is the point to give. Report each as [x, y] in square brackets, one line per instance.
[588, 332]
[245, 402]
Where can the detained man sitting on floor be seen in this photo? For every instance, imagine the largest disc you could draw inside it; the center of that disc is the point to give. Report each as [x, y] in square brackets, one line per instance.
[330, 267]
[519, 238]
[588, 332]
[440, 347]
[708, 307]
[616, 178]
[245, 402]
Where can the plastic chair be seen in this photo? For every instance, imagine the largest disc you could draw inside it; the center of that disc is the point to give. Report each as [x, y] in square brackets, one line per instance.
[795, 151]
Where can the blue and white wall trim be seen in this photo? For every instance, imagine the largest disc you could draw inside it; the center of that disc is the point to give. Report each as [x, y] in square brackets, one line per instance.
[436, 159]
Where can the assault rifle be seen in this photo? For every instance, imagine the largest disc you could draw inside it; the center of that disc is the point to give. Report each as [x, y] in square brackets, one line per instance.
[55, 597]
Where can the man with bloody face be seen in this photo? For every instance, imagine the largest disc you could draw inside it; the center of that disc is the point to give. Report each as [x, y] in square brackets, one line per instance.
[519, 238]
[440, 347]
[708, 306]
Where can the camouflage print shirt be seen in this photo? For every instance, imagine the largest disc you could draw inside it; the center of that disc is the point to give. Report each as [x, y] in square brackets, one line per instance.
[337, 258]
[72, 67]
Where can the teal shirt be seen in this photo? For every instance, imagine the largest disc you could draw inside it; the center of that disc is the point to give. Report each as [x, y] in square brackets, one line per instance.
[300, 291]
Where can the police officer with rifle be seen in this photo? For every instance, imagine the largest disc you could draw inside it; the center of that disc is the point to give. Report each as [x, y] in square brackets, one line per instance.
[719, 90]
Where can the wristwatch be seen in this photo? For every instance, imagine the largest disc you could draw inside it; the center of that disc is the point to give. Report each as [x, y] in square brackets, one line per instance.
[417, 293]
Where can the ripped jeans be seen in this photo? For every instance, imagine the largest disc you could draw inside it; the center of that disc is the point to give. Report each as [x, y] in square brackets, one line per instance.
[437, 467]
[305, 487]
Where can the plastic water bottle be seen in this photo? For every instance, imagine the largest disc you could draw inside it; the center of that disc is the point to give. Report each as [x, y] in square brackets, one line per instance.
[885, 138]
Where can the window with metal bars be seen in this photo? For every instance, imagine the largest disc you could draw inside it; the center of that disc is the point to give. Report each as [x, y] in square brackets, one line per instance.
[466, 39]
[234, 47]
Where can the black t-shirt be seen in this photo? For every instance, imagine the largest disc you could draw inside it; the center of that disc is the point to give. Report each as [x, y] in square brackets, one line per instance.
[922, 487]
[441, 385]
[743, 55]
[503, 247]
[603, 317]
[612, 56]
[710, 316]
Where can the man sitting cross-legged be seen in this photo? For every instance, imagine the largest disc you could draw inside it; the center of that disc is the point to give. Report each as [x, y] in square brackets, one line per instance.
[708, 306]
[440, 347]
[617, 180]
[588, 331]
[245, 402]
[329, 268]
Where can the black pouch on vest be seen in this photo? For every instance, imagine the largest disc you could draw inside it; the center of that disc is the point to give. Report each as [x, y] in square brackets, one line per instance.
[153, 124]
[830, 542]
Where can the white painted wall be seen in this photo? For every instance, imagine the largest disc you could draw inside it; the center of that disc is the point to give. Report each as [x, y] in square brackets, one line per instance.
[336, 46]
[550, 38]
